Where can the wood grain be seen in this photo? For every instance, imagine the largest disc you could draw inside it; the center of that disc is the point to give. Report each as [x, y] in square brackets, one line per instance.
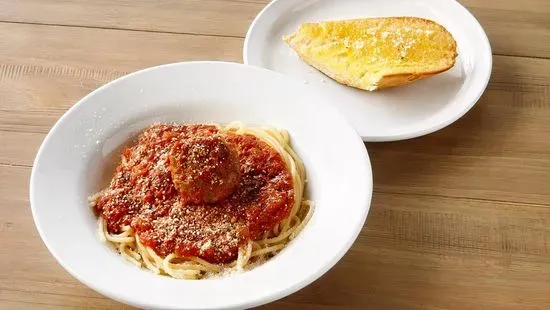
[490, 145]
[460, 218]
[526, 22]
[416, 252]
[209, 17]
[520, 28]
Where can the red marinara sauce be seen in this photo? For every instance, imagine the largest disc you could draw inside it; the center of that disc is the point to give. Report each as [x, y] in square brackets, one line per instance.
[142, 194]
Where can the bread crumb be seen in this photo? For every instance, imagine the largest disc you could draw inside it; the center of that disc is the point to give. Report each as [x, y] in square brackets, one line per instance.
[346, 41]
[358, 44]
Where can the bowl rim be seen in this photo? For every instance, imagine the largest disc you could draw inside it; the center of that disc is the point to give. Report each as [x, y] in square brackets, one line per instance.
[252, 302]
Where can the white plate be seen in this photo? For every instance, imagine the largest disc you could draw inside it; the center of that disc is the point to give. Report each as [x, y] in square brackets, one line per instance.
[80, 148]
[391, 114]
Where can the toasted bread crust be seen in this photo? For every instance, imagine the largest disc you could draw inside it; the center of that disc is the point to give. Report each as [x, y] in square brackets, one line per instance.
[439, 54]
[388, 81]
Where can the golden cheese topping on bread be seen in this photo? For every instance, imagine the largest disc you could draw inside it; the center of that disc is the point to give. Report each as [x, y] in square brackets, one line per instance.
[374, 53]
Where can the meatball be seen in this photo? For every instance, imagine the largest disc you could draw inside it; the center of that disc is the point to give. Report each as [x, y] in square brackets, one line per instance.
[205, 169]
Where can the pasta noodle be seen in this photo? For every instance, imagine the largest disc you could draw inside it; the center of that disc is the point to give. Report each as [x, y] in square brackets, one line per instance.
[254, 252]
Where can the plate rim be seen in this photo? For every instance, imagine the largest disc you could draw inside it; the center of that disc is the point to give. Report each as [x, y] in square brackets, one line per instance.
[406, 135]
[366, 201]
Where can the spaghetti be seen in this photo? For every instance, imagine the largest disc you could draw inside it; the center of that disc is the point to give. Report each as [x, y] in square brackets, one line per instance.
[144, 216]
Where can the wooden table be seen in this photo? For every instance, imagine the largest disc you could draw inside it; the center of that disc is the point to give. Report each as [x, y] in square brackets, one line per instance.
[460, 218]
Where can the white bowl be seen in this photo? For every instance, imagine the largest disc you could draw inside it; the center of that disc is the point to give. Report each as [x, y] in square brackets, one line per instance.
[386, 115]
[78, 154]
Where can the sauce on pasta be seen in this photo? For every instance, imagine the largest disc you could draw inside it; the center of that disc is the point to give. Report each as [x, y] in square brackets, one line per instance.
[144, 196]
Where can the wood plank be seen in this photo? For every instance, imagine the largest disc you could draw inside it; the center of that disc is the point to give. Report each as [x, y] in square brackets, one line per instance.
[34, 300]
[385, 278]
[19, 148]
[489, 154]
[482, 177]
[212, 17]
[492, 153]
[520, 28]
[416, 252]
[526, 22]
[12, 305]
[111, 52]
[439, 253]
[67, 63]
[30, 277]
